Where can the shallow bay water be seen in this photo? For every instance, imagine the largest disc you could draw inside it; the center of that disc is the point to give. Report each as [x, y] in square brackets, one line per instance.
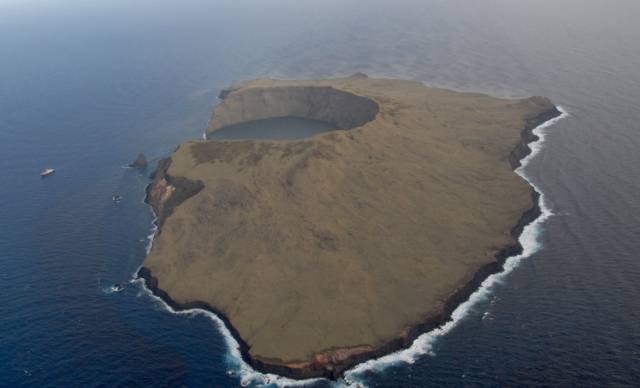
[86, 86]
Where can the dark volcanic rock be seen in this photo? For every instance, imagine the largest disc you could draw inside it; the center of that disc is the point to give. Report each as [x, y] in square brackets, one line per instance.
[140, 162]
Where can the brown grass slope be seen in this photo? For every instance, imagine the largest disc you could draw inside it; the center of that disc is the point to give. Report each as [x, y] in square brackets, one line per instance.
[322, 251]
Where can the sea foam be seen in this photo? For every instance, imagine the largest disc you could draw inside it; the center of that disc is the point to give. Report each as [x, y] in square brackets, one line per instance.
[421, 346]
[237, 366]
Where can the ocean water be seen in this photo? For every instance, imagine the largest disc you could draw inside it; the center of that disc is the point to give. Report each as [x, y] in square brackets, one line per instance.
[85, 86]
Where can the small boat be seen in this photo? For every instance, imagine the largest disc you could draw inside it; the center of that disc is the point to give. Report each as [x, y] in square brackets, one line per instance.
[116, 197]
[47, 172]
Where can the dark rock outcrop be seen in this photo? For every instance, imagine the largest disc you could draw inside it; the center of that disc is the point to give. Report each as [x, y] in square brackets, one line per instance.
[140, 162]
[166, 192]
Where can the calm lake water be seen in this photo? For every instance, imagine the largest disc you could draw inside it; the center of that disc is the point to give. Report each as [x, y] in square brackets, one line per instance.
[286, 128]
[85, 86]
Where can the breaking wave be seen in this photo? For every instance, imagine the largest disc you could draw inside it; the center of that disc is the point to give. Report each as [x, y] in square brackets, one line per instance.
[237, 366]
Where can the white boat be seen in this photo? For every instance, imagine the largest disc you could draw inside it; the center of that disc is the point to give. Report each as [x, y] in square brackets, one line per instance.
[47, 172]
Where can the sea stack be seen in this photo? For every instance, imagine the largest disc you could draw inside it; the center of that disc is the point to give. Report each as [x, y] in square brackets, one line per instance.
[140, 162]
[324, 252]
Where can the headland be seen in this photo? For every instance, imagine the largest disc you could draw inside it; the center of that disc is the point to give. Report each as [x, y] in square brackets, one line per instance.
[321, 253]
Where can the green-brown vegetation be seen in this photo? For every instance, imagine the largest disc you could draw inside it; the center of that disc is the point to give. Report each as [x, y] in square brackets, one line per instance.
[327, 250]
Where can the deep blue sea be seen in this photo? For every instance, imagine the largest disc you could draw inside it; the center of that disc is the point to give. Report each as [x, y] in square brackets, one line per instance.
[86, 85]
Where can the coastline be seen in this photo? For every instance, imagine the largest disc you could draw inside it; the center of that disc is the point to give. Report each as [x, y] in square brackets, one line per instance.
[337, 368]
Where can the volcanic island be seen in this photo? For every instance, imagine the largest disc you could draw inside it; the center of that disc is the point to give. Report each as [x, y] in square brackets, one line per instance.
[323, 252]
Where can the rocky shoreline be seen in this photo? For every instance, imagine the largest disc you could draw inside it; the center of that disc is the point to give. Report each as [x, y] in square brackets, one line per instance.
[334, 363]
[166, 192]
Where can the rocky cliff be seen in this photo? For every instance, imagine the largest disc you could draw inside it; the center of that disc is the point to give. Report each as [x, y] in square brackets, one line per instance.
[322, 103]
